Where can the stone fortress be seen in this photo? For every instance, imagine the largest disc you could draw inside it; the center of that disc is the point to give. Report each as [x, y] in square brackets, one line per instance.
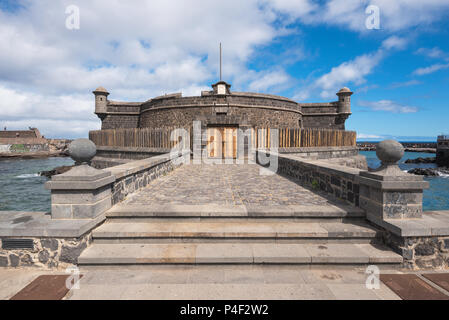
[135, 199]
[221, 112]
[220, 106]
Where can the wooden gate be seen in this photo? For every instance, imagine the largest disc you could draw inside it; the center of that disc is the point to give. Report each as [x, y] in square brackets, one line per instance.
[222, 142]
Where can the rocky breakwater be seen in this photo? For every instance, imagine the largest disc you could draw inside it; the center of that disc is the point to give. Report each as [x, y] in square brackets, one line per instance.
[55, 171]
[431, 172]
[421, 160]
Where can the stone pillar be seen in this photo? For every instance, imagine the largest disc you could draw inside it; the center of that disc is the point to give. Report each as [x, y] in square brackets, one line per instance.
[197, 142]
[83, 192]
[389, 193]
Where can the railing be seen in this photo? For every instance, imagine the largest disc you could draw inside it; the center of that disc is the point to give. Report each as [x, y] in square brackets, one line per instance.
[137, 138]
[305, 138]
[443, 137]
[261, 138]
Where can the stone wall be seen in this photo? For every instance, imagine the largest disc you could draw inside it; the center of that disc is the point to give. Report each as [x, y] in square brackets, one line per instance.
[129, 152]
[324, 122]
[116, 121]
[135, 175]
[334, 180]
[321, 152]
[248, 116]
[47, 253]
[322, 115]
[420, 252]
[423, 242]
[107, 157]
[103, 163]
[241, 99]
[358, 162]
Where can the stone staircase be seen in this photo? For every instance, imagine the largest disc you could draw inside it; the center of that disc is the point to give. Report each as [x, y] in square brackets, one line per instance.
[208, 234]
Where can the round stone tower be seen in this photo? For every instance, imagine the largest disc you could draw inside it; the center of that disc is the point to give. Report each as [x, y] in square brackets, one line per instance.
[101, 100]
[344, 100]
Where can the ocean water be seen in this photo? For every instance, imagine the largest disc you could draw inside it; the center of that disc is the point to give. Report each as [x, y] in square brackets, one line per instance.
[21, 187]
[437, 196]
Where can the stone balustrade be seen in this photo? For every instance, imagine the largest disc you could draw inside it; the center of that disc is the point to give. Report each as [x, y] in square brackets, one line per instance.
[85, 192]
[80, 197]
[391, 199]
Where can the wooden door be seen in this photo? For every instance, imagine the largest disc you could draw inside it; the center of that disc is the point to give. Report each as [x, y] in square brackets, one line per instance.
[222, 142]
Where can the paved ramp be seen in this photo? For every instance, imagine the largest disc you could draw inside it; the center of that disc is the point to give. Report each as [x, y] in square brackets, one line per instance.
[231, 214]
[224, 185]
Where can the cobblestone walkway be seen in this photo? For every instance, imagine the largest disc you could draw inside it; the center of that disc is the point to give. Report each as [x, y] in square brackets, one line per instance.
[224, 185]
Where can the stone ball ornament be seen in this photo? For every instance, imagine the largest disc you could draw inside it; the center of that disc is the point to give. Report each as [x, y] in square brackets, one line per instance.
[82, 150]
[389, 151]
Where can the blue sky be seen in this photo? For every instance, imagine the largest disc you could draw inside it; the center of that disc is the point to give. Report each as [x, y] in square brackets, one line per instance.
[303, 49]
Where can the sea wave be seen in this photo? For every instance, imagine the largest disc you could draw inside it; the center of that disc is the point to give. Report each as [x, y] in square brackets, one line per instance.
[443, 174]
[27, 175]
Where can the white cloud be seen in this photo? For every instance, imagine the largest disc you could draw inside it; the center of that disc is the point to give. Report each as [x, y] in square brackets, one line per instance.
[366, 88]
[349, 72]
[394, 42]
[404, 84]
[273, 80]
[294, 9]
[395, 15]
[434, 52]
[352, 71]
[63, 115]
[388, 106]
[430, 69]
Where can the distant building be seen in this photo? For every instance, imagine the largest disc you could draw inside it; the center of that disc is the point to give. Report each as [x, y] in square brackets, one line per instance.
[443, 151]
[30, 136]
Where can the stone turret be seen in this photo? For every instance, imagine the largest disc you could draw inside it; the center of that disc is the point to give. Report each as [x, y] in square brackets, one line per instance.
[344, 100]
[101, 100]
[221, 87]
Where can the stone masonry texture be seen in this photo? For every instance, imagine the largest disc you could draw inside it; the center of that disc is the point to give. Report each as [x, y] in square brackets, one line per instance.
[129, 184]
[248, 109]
[227, 184]
[48, 253]
[420, 252]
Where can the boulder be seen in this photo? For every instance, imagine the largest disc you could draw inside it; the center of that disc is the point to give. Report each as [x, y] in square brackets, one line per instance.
[424, 172]
[421, 160]
[55, 171]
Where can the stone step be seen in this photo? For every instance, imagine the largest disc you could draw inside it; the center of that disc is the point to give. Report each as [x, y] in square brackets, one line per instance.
[238, 253]
[328, 211]
[130, 232]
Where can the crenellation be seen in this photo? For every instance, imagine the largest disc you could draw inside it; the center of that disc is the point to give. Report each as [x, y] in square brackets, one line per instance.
[243, 108]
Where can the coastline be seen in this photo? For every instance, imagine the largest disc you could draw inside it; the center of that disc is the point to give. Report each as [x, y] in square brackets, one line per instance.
[424, 147]
[32, 155]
